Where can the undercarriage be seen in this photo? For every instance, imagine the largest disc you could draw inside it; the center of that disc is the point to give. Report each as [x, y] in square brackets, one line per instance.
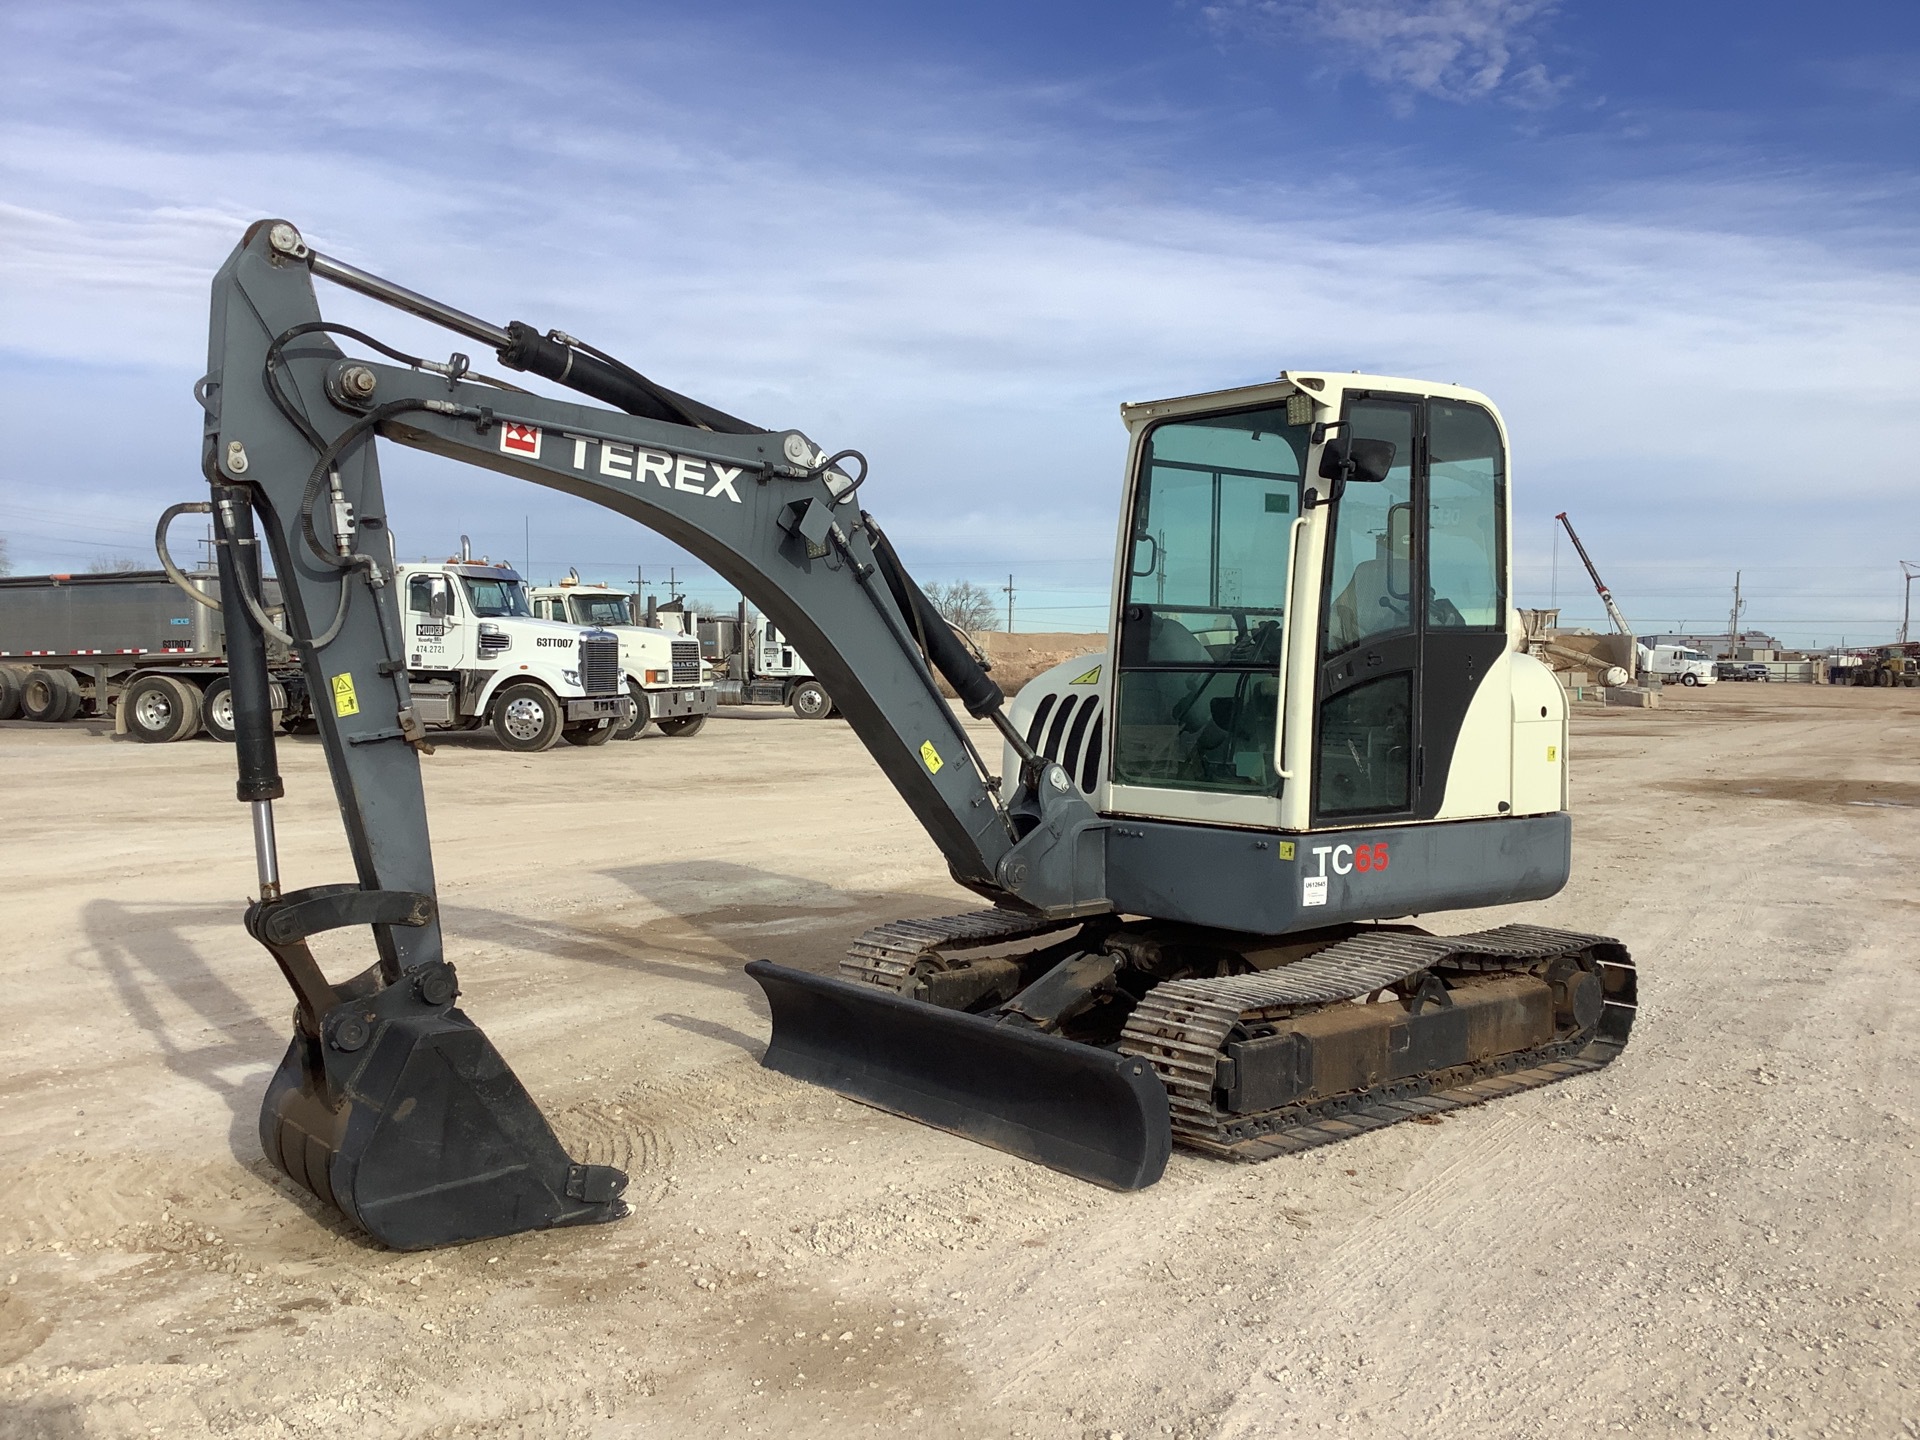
[1266, 1047]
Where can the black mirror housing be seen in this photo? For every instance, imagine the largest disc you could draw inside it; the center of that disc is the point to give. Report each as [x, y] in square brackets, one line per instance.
[1359, 462]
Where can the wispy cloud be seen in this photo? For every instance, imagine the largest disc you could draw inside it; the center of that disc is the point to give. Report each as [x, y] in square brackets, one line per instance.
[939, 275]
[1455, 50]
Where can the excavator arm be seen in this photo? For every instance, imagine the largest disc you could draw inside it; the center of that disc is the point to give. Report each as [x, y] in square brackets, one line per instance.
[391, 1105]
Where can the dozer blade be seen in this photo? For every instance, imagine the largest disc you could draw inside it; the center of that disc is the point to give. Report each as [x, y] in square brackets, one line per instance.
[422, 1136]
[1087, 1112]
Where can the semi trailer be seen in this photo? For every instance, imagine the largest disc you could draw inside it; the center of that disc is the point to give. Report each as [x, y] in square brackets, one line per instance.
[132, 646]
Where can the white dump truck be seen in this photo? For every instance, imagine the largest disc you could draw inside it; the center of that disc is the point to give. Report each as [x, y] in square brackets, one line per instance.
[478, 656]
[1677, 664]
[666, 680]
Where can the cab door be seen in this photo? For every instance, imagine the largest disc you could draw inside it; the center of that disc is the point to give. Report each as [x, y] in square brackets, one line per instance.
[1367, 727]
[1414, 611]
[434, 632]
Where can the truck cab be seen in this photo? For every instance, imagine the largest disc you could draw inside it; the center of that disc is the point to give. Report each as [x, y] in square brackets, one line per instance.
[665, 679]
[477, 655]
[1677, 664]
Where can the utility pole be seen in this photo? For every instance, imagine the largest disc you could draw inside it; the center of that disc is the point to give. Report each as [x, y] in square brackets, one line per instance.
[1556, 569]
[526, 544]
[1907, 570]
[1733, 621]
[1009, 590]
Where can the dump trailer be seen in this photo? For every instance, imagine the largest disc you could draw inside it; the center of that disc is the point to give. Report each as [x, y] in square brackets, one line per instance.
[1315, 718]
[133, 646]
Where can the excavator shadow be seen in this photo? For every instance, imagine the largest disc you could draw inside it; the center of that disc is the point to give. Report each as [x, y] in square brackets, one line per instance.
[145, 950]
[705, 919]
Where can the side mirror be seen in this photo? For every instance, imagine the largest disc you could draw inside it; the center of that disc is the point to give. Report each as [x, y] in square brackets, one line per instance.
[1357, 462]
[1354, 459]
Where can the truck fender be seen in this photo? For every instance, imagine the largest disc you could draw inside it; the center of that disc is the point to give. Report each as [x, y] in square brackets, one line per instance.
[547, 675]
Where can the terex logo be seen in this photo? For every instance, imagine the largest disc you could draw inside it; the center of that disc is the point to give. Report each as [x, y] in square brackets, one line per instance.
[516, 439]
[673, 472]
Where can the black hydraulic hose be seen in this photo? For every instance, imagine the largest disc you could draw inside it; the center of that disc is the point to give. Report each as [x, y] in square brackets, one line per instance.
[976, 688]
[330, 457]
[581, 367]
[284, 402]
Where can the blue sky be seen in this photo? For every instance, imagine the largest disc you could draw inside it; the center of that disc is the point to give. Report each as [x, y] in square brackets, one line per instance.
[1675, 243]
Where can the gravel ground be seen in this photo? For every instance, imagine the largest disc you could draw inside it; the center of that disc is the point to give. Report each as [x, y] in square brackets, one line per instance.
[1716, 1235]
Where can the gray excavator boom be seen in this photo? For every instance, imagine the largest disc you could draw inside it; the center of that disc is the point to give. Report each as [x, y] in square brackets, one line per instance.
[391, 1106]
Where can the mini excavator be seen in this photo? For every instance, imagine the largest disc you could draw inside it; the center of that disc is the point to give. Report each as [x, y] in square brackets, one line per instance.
[1314, 719]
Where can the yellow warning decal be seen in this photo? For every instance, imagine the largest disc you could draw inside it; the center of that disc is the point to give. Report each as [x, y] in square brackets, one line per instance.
[345, 702]
[931, 756]
[1286, 849]
[1092, 677]
[1553, 754]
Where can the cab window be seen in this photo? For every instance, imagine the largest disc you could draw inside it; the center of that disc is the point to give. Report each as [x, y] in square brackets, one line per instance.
[430, 596]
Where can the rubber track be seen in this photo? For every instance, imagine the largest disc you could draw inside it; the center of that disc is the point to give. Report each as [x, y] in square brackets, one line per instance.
[1182, 1028]
[887, 954]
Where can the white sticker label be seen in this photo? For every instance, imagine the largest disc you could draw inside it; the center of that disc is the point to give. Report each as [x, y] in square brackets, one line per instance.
[1313, 890]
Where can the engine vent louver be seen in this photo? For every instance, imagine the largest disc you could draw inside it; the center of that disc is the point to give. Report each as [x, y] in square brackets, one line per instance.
[1069, 730]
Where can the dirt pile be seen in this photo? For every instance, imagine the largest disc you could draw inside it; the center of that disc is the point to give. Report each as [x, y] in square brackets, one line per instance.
[1017, 658]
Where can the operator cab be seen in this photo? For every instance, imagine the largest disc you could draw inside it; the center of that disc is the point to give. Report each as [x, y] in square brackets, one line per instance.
[1300, 649]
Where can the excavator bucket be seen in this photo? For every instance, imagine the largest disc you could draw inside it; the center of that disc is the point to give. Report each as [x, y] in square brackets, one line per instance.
[422, 1135]
[1087, 1112]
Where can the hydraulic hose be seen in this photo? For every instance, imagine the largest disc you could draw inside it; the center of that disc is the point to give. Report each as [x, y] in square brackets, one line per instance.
[976, 688]
[174, 572]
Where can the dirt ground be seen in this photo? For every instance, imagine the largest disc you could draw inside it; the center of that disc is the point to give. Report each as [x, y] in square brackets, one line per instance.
[1716, 1235]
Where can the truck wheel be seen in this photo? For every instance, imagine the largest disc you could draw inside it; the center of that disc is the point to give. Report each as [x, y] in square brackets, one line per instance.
[598, 733]
[49, 696]
[686, 725]
[161, 709]
[810, 700]
[526, 717]
[631, 728]
[9, 693]
[216, 714]
[1689, 679]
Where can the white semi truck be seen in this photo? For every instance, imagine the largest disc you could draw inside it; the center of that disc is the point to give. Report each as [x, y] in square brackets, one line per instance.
[759, 665]
[477, 656]
[1677, 664]
[666, 680]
